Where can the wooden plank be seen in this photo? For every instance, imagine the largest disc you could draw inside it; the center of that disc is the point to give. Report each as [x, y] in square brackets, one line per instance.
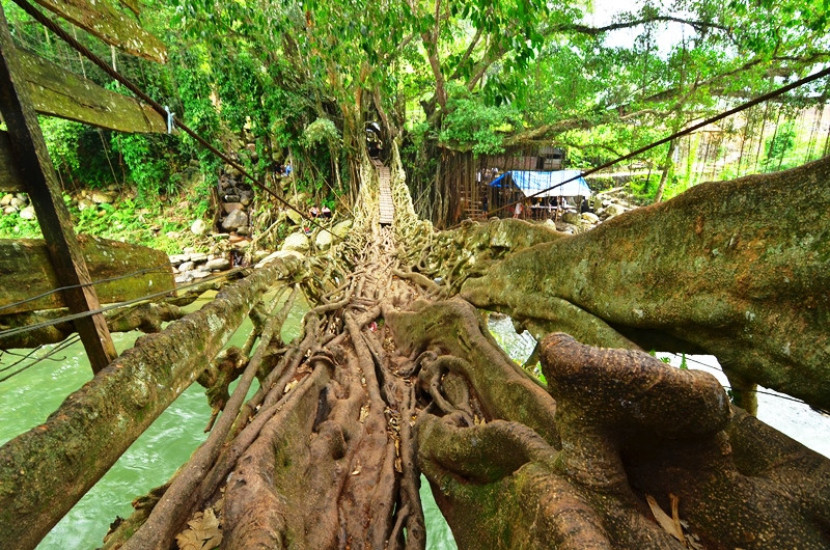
[26, 272]
[10, 178]
[102, 19]
[58, 92]
[30, 155]
[46, 470]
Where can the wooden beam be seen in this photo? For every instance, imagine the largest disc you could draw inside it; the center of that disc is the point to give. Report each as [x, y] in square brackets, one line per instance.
[10, 179]
[26, 271]
[58, 92]
[32, 160]
[46, 470]
[102, 19]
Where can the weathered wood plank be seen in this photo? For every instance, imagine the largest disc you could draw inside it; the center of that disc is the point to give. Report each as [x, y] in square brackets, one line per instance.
[82, 439]
[26, 271]
[10, 178]
[102, 19]
[58, 92]
[32, 159]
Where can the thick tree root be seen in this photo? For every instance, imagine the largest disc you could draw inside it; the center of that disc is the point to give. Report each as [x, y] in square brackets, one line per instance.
[627, 430]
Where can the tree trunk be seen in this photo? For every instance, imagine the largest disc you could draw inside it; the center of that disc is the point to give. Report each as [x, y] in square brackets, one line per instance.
[730, 268]
[668, 168]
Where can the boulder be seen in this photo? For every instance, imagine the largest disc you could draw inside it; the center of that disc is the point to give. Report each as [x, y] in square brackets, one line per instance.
[186, 266]
[6, 200]
[296, 241]
[342, 229]
[100, 198]
[235, 220]
[217, 264]
[614, 210]
[292, 258]
[229, 207]
[176, 259]
[590, 217]
[28, 213]
[199, 227]
[9, 210]
[324, 239]
[572, 218]
[17, 202]
[294, 216]
[198, 257]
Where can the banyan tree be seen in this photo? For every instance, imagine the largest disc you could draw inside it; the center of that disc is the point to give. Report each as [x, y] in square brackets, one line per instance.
[396, 375]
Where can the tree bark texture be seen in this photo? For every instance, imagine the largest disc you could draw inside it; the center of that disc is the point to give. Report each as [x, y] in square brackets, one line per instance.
[576, 468]
[740, 270]
[43, 472]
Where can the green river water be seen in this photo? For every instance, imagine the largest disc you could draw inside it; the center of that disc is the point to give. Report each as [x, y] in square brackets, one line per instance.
[28, 398]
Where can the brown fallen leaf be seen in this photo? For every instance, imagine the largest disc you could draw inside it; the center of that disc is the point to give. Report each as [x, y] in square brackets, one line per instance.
[666, 522]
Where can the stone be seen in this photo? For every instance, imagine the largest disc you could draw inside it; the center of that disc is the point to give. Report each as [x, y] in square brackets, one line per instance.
[183, 278]
[229, 207]
[244, 231]
[28, 213]
[236, 238]
[614, 210]
[17, 202]
[176, 259]
[173, 235]
[199, 274]
[186, 266]
[342, 229]
[245, 199]
[217, 264]
[198, 227]
[6, 200]
[572, 218]
[324, 239]
[198, 257]
[9, 210]
[291, 258]
[296, 241]
[100, 198]
[294, 216]
[235, 219]
[590, 217]
[83, 204]
[260, 255]
[231, 198]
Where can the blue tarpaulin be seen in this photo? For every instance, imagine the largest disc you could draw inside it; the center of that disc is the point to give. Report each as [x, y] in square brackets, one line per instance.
[531, 183]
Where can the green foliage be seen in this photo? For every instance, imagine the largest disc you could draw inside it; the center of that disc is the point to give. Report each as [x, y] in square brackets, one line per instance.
[321, 131]
[469, 124]
[151, 163]
[778, 146]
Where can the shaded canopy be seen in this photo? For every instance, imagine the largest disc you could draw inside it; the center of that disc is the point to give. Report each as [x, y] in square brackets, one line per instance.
[567, 183]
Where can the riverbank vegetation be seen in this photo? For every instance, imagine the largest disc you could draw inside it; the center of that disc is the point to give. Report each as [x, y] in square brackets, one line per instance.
[298, 82]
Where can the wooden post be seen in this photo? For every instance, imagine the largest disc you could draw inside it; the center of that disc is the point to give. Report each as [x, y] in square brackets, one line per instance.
[34, 166]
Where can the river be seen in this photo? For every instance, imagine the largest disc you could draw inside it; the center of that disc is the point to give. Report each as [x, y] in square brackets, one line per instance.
[27, 399]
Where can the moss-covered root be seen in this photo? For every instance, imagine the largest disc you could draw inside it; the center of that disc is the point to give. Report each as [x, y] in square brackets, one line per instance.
[737, 269]
[632, 426]
[498, 487]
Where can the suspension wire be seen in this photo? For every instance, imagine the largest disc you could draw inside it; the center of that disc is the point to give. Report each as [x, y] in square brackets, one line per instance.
[82, 285]
[66, 318]
[760, 99]
[762, 392]
[55, 28]
[71, 340]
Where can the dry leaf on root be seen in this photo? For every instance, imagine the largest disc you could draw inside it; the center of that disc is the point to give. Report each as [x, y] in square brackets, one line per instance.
[203, 532]
[668, 524]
